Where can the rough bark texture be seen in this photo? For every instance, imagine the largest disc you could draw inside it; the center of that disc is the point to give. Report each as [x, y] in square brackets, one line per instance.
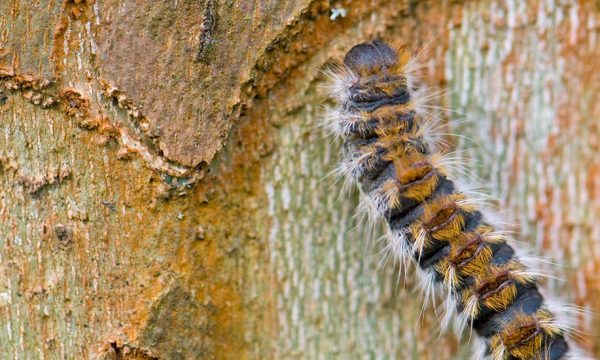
[163, 177]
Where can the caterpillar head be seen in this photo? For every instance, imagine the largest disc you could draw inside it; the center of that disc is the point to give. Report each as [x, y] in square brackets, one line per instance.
[380, 82]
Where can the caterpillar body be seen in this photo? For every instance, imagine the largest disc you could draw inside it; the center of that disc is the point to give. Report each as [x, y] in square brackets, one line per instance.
[431, 222]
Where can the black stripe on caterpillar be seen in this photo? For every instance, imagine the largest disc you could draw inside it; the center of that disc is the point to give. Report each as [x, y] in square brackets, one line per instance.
[432, 223]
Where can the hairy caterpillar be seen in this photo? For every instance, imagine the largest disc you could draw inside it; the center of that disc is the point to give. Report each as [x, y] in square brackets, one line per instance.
[431, 221]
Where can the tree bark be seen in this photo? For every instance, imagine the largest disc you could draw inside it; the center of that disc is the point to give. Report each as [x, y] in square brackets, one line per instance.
[163, 175]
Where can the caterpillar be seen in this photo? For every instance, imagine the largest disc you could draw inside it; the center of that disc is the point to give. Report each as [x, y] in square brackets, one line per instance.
[488, 286]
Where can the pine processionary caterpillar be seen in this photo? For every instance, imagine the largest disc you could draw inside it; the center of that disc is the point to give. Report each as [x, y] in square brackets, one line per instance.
[431, 222]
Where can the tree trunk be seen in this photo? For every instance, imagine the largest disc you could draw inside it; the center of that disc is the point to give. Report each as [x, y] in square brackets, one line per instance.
[163, 173]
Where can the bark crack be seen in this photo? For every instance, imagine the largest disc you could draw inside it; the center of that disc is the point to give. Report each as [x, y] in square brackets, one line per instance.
[46, 94]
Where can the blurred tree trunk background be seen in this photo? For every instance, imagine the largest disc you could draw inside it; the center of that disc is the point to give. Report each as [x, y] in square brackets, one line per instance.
[163, 190]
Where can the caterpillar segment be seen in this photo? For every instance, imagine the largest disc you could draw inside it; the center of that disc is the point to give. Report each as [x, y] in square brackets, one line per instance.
[431, 222]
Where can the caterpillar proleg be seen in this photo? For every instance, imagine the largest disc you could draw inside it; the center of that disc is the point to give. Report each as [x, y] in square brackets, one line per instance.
[432, 222]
